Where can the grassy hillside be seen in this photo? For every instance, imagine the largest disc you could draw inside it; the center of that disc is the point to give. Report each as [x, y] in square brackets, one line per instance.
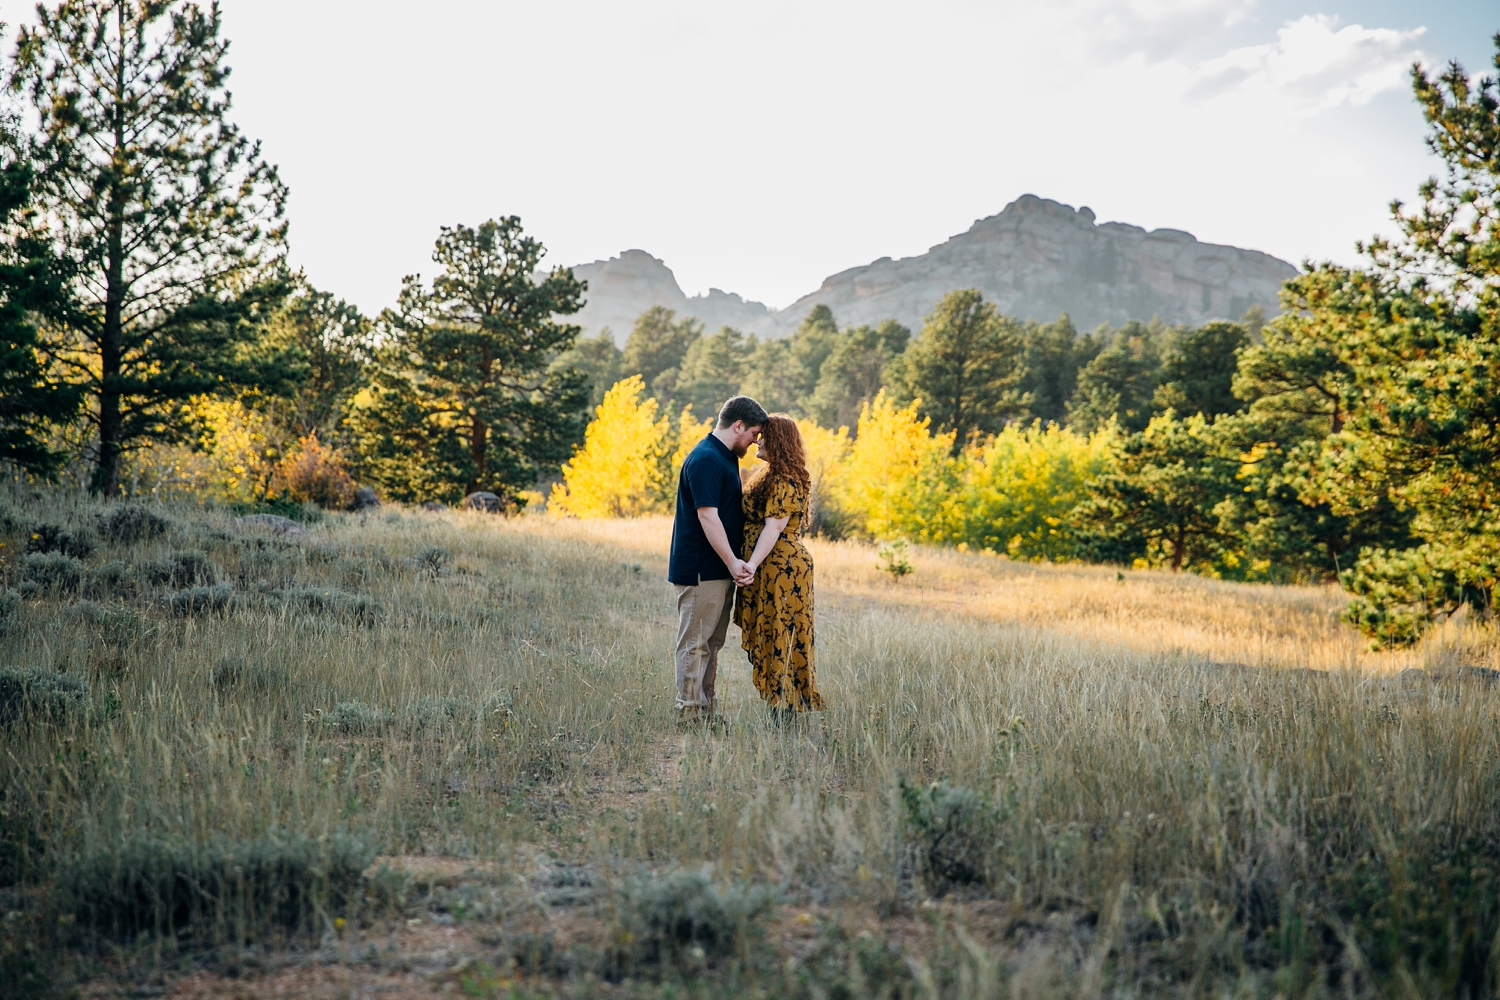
[436, 752]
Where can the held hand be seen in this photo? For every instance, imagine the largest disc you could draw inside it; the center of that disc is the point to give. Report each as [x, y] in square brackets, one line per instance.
[742, 572]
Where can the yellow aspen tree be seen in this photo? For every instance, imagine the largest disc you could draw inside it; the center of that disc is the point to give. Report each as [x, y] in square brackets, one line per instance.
[883, 480]
[624, 466]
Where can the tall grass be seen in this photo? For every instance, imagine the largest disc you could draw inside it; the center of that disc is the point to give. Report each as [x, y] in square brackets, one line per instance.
[1134, 774]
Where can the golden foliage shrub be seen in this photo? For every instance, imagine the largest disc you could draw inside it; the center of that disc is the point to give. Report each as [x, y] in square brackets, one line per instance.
[313, 473]
[1017, 489]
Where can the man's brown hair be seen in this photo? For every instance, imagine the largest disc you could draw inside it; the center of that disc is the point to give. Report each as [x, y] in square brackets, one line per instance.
[742, 408]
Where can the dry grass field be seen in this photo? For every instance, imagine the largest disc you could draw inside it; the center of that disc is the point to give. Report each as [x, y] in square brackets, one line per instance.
[416, 754]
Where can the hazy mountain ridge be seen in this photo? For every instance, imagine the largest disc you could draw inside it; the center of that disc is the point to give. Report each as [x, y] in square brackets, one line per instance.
[1035, 259]
[623, 287]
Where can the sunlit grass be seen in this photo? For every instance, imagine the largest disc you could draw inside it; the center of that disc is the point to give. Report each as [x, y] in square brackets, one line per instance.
[1153, 760]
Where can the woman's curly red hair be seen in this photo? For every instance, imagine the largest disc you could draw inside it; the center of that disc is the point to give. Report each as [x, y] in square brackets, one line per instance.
[785, 457]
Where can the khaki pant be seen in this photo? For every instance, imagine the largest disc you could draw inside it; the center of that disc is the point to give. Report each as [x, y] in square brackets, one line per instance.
[702, 621]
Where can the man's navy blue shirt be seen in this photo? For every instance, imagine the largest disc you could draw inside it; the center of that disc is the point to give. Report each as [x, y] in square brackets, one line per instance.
[710, 478]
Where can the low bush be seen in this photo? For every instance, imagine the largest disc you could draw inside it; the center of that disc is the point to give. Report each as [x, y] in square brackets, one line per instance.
[434, 560]
[12, 612]
[201, 600]
[683, 919]
[180, 568]
[239, 673]
[331, 603]
[52, 572]
[223, 889]
[112, 579]
[425, 713]
[955, 832]
[130, 523]
[355, 718]
[113, 625]
[27, 691]
[267, 566]
[56, 538]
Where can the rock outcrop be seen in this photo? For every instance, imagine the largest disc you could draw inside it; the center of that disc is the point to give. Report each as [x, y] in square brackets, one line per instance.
[1039, 258]
[1035, 259]
[623, 287]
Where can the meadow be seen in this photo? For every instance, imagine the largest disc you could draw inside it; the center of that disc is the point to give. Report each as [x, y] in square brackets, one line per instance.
[412, 753]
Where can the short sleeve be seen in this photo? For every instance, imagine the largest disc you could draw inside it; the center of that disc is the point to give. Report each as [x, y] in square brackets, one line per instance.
[785, 499]
[705, 483]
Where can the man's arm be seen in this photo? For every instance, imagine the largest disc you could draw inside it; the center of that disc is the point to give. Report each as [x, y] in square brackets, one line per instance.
[713, 530]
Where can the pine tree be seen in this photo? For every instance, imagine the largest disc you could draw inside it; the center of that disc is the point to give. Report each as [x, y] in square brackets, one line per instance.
[333, 342]
[713, 370]
[1119, 383]
[465, 396]
[30, 283]
[1198, 374]
[655, 348]
[965, 367]
[855, 371]
[1054, 355]
[1160, 499]
[165, 215]
[598, 360]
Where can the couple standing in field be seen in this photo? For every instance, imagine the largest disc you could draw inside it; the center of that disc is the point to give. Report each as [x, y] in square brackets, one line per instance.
[735, 548]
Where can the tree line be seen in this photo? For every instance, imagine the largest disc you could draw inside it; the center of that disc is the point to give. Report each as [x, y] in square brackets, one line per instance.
[148, 318]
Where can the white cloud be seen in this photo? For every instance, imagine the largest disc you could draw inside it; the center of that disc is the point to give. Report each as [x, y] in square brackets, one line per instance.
[1314, 65]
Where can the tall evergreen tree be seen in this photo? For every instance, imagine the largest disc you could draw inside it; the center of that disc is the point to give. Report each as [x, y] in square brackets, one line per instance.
[713, 370]
[811, 344]
[1120, 382]
[655, 348]
[774, 378]
[598, 360]
[855, 371]
[166, 216]
[30, 284]
[965, 367]
[334, 343]
[1160, 498]
[465, 396]
[1197, 376]
[1054, 354]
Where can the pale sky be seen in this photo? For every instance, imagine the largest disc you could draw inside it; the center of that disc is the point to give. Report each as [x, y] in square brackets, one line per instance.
[758, 147]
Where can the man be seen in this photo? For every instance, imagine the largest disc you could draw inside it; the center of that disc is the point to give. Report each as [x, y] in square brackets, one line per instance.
[708, 534]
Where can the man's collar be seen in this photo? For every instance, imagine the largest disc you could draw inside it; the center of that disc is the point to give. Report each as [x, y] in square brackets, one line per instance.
[721, 445]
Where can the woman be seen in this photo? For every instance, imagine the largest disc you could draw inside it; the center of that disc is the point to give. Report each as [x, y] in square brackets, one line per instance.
[775, 612]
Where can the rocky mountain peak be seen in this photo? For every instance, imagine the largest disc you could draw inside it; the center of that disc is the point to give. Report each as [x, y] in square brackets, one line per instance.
[1034, 259]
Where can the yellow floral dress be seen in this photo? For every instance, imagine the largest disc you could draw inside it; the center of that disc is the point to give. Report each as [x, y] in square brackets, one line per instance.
[775, 613]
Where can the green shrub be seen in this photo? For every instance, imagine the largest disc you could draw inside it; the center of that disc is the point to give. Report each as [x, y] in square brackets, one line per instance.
[331, 603]
[52, 572]
[12, 612]
[130, 523]
[218, 890]
[425, 713]
[26, 691]
[682, 919]
[112, 579]
[955, 832]
[56, 538]
[112, 624]
[355, 718]
[237, 672]
[201, 600]
[180, 568]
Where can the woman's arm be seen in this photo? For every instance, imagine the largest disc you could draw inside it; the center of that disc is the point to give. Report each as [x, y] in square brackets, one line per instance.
[767, 541]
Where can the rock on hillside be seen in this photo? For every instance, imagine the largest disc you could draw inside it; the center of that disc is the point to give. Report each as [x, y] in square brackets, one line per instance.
[623, 287]
[1038, 258]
